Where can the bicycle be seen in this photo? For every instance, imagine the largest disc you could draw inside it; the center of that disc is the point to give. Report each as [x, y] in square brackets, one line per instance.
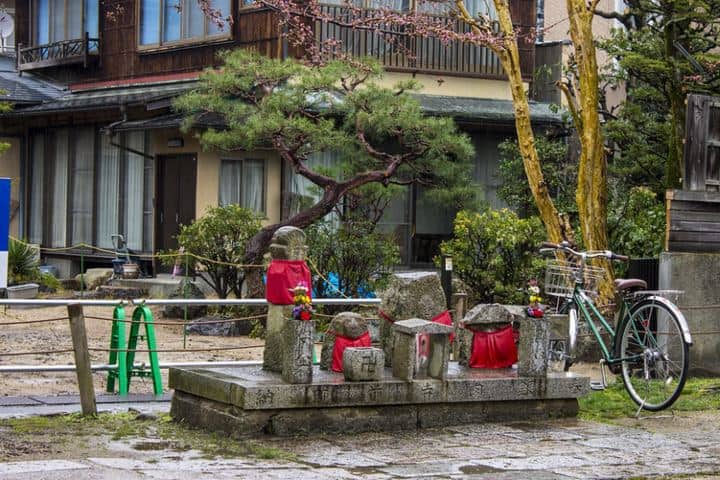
[650, 345]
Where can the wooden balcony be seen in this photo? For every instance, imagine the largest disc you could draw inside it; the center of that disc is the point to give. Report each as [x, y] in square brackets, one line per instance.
[82, 51]
[412, 53]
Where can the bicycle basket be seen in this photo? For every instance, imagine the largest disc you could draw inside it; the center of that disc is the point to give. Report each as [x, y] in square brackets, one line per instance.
[560, 278]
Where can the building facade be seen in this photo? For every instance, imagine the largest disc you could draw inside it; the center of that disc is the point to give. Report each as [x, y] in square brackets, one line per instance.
[106, 156]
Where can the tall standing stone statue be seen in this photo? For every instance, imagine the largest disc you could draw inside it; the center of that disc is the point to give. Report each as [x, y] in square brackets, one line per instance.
[288, 243]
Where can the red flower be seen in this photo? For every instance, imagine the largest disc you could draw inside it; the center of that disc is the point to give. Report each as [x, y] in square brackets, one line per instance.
[305, 315]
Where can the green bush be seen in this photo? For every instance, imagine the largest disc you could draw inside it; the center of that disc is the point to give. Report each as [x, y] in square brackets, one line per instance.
[495, 254]
[361, 257]
[637, 224]
[22, 262]
[219, 237]
[559, 173]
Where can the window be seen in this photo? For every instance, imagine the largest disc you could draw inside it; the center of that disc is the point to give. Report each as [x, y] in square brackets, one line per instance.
[58, 20]
[242, 182]
[167, 22]
[86, 187]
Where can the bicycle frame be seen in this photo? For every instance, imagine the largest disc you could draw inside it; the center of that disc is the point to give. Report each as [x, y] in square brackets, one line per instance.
[586, 307]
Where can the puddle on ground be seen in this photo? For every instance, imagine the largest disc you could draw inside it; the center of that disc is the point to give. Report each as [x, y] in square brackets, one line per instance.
[154, 445]
[478, 469]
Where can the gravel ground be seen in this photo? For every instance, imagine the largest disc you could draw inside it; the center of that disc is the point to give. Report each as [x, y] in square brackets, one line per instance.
[43, 337]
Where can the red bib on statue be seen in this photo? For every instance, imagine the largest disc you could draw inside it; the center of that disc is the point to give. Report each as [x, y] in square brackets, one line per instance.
[494, 349]
[341, 343]
[284, 275]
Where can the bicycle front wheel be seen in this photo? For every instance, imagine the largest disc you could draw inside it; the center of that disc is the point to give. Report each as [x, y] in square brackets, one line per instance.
[653, 354]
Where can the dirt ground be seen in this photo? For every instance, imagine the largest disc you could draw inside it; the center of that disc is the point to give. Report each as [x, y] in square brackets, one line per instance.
[44, 337]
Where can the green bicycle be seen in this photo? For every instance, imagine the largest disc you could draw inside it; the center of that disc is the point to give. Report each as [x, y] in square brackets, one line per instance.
[649, 346]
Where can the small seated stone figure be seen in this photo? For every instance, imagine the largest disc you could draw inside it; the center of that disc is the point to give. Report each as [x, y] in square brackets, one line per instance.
[347, 329]
[487, 340]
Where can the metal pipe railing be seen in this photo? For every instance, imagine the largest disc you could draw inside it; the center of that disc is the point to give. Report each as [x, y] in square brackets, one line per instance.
[109, 367]
[248, 302]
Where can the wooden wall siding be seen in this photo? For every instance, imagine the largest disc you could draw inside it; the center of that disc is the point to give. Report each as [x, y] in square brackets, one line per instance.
[122, 59]
[524, 14]
[702, 143]
[429, 55]
[693, 221]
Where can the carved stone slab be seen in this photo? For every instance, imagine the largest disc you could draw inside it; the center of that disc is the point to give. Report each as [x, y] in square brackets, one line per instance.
[251, 388]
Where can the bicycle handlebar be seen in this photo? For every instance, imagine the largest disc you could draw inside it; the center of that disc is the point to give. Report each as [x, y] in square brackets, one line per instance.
[565, 247]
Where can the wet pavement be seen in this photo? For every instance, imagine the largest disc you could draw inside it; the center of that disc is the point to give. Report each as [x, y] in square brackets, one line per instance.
[685, 445]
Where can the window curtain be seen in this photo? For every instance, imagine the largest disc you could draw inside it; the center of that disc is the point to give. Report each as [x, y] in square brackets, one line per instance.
[481, 7]
[230, 175]
[82, 186]
[108, 182]
[301, 191]
[148, 196]
[171, 21]
[42, 22]
[149, 22]
[37, 188]
[193, 19]
[57, 20]
[226, 10]
[253, 185]
[243, 182]
[75, 27]
[58, 206]
[133, 191]
[92, 18]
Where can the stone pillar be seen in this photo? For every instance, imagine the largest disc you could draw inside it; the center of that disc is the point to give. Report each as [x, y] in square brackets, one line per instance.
[405, 349]
[698, 276]
[298, 337]
[533, 348]
[288, 243]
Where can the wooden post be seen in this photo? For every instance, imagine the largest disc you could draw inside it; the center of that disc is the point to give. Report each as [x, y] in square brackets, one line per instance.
[459, 300]
[82, 359]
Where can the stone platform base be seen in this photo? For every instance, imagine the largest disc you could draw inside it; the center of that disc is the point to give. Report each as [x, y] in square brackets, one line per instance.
[249, 401]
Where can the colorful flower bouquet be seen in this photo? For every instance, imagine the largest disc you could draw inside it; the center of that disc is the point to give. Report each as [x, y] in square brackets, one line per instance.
[535, 309]
[302, 309]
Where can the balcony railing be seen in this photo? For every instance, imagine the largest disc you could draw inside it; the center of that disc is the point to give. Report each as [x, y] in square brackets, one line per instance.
[403, 51]
[66, 52]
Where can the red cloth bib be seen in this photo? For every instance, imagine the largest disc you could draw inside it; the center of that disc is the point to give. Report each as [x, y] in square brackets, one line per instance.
[341, 343]
[445, 319]
[494, 349]
[282, 275]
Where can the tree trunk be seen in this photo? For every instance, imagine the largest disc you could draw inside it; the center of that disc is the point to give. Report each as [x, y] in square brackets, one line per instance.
[591, 195]
[510, 59]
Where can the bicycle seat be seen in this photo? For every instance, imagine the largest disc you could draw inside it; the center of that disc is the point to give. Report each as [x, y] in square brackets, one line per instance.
[629, 283]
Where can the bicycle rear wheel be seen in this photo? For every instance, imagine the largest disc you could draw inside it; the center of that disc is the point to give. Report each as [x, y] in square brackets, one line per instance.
[654, 355]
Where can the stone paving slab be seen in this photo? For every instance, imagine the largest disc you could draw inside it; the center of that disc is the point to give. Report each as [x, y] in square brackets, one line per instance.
[685, 446]
[74, 399]
[15, 401]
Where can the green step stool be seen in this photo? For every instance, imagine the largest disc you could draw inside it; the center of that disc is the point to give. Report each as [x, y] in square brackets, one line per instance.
[123, 355]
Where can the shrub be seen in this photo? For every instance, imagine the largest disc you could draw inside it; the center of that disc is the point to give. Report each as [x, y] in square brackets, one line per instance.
[218, 240]
[361, 257]
[22, 262]
[637, 224]
[495, 254]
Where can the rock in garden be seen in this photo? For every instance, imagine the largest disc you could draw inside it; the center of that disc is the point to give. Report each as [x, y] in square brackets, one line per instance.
[94, 277]
[409, 295]
[185, 290]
